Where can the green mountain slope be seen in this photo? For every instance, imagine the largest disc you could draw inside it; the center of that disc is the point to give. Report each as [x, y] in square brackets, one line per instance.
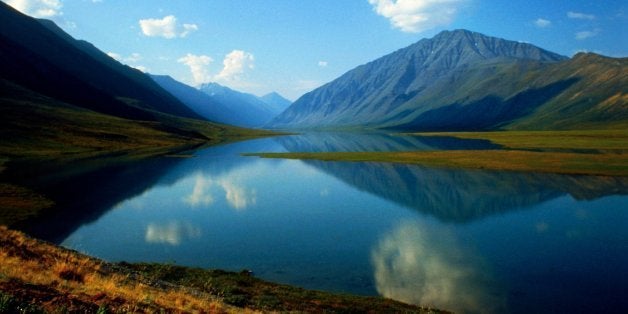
[462, 80]
[62, 98]
[42, 58]
[597, 99]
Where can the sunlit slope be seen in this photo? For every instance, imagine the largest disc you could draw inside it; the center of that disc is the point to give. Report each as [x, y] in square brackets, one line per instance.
[462, 80]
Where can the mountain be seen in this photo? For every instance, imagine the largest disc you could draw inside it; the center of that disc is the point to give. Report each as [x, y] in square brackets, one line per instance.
[250, 111]
[43, 58]
[201, 103]
[63, 97]
[221, 104]
[463, 80]
[277, 102]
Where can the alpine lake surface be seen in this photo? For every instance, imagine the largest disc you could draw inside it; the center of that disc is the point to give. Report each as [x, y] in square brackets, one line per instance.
[462, 240]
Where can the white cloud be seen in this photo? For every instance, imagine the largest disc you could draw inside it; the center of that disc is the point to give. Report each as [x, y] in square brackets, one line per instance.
[166, 27]
[134, 57]
[586, 34]
[140, 67]
[542, 23]
[198, 65]
[37, 8]
[129, 60]
[114, 55]
[235, 63]
[322, 64]
[415, 16]
[580, 16]
[187, 29]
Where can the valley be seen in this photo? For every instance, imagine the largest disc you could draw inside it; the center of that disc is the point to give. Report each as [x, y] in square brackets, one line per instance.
[463, 172]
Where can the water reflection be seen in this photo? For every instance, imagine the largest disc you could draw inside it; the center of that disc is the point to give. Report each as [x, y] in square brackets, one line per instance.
[419, 264]
[330, 226]
[200, 195]
[171, 233]
[451, 195]
[237, 195]
[375, 142]
[84, 190]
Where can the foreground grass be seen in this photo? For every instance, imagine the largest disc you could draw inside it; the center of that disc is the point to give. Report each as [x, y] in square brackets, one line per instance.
[39, 277]
[601, 152]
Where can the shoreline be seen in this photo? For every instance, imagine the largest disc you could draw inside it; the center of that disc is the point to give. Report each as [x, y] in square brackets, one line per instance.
[42, 277]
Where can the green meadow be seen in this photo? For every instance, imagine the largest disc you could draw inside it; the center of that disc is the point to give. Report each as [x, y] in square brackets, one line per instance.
[600, 152]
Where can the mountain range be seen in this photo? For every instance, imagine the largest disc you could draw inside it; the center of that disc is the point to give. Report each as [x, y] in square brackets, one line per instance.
[463, 80]
[221, 104]
[59, 95]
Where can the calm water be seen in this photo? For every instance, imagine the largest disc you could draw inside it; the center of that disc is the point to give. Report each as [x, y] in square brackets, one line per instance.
[469, 241]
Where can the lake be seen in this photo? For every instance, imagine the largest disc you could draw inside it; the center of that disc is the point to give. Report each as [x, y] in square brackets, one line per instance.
[463, 240]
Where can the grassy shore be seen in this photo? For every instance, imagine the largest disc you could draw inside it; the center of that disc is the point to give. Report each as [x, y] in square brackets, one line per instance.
[600, 140]
[565, 152]
[38, 277]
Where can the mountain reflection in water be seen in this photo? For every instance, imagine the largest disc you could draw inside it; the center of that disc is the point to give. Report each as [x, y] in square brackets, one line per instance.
[451, 195]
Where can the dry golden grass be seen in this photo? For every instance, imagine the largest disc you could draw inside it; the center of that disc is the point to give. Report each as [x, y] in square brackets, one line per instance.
[57, 280]
[72, 276]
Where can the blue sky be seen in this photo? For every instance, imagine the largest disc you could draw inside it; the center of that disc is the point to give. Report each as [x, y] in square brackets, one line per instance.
[293, 46]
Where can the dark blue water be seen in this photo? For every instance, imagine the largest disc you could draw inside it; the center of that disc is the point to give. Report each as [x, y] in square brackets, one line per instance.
[468, 241]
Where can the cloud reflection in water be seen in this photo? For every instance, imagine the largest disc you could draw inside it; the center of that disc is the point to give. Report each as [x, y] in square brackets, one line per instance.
[172, 233]
[200, 195]
[236, 194]
[422, 265]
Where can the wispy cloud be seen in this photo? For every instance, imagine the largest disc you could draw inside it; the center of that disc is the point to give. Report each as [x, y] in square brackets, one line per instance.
[587, 34]
[140, 67]
[580, 16]
[415, 16]
[199, 67]
[37, 8]
[134, 57]
[234, 64]
[166, 27]
[130, 60]
[322, 64]
[542, 23]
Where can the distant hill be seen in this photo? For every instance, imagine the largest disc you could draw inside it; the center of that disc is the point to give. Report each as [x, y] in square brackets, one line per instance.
[277, 102]
[221, 104]
[250, 110]
[201, 103]
[463, 80]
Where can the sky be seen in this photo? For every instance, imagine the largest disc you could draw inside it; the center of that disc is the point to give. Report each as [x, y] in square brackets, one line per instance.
[294, 46]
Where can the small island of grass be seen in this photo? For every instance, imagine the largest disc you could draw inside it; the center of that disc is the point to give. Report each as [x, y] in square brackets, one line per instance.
[601, 152]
